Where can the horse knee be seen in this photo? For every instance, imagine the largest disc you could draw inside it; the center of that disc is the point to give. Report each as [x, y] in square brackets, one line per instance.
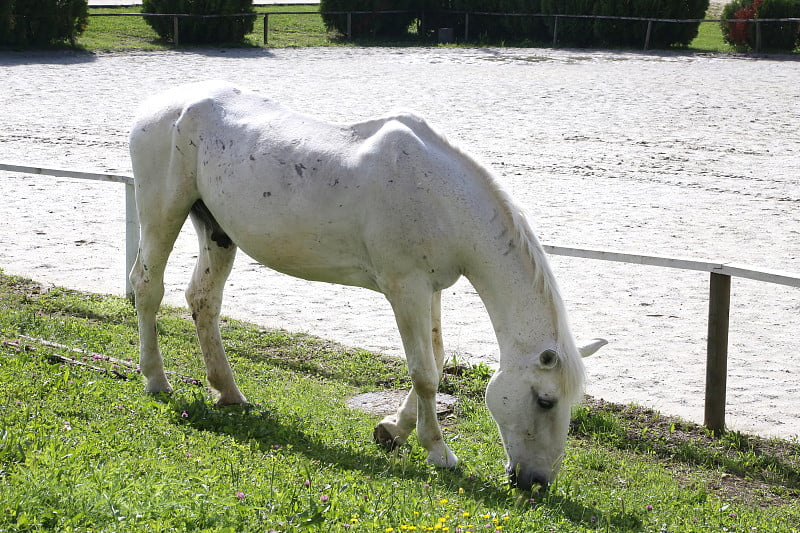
[425, 383]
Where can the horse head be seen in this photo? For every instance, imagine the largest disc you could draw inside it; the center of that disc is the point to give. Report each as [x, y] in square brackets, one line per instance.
[532, 412]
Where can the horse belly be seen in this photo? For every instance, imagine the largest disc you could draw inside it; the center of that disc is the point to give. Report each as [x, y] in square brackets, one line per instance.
[306, 230]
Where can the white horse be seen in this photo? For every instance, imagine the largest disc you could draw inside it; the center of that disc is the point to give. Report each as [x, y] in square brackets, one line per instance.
[386, 204]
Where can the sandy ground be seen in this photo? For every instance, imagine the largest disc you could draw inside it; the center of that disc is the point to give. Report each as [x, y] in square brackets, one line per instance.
[684, 155]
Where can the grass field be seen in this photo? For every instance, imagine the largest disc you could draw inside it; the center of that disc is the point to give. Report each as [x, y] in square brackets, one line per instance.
[82, 448]
[116, 33]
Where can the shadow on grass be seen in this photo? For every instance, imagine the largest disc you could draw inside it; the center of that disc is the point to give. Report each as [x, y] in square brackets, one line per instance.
[269, 432]
[772, 461]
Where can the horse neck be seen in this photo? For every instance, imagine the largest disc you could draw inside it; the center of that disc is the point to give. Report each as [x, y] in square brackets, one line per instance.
[512, 277]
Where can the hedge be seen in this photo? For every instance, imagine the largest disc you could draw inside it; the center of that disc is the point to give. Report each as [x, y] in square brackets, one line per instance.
[372, 24]
[212, 30]
[571, 31]
[783, 36]
[42, 22]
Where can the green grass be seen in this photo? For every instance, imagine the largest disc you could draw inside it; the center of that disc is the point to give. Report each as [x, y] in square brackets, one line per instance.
[84, 449]
[132, 33]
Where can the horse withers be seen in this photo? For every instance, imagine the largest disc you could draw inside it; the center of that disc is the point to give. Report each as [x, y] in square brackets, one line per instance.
[387, 204]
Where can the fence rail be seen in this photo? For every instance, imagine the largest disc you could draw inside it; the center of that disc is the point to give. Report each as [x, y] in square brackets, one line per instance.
[721, 274]
[555, 16]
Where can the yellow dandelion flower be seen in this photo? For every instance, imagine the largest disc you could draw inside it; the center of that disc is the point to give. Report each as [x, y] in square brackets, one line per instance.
[460, 490]
[444, 501]
[465, 515]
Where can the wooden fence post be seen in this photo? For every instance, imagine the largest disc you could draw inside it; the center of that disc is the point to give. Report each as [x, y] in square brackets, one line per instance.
[466, 27]
[131, 236]
[758, 36]
[349, 26]
[555, 31]
[717, 351]
[266, 28]
[175, 37]
[647, 35]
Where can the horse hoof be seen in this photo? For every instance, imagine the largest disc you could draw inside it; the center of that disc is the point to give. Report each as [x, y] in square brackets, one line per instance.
[446, 459]
[158, 387]
[233, 399]
[384, 439]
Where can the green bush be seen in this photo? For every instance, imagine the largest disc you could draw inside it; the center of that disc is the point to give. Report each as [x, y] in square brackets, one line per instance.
[574, 31]
[633, 33]
[588, 32]
[780, 35]
[42, 22]
[372, 24]
[504, 27]
[6, 21]
[783, 36]
[210, 30]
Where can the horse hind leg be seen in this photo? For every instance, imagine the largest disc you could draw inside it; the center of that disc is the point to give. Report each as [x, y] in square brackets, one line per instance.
[204, 296]
[159, 230]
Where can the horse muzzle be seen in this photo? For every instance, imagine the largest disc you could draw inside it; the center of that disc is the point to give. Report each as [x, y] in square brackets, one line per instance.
[527, 478]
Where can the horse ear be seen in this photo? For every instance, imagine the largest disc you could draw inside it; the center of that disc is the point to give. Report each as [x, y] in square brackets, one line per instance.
[592, 347]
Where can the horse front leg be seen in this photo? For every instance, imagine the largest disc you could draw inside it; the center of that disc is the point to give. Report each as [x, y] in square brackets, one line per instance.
[394, 429]
[414, 311]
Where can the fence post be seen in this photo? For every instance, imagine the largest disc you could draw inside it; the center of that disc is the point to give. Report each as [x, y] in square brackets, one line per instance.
[647, 35]
[466, 27]
[349, 26]
[175, 37]
[758, 36]
[266, 28]
[717, 351]
[131, 236]
[555, 31]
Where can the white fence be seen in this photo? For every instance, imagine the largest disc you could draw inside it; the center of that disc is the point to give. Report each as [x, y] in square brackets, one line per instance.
[721, 274]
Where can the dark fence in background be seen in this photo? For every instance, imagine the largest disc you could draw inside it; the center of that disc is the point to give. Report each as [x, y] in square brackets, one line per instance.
[447, 36]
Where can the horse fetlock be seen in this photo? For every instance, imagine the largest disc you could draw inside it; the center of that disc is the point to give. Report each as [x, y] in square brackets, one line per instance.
[388, 435]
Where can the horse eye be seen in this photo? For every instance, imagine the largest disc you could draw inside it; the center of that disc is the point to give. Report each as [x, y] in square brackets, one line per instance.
[548, 359]
[545, 403]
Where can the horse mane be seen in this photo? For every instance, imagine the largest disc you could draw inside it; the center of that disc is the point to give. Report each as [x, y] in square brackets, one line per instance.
[571, 363]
